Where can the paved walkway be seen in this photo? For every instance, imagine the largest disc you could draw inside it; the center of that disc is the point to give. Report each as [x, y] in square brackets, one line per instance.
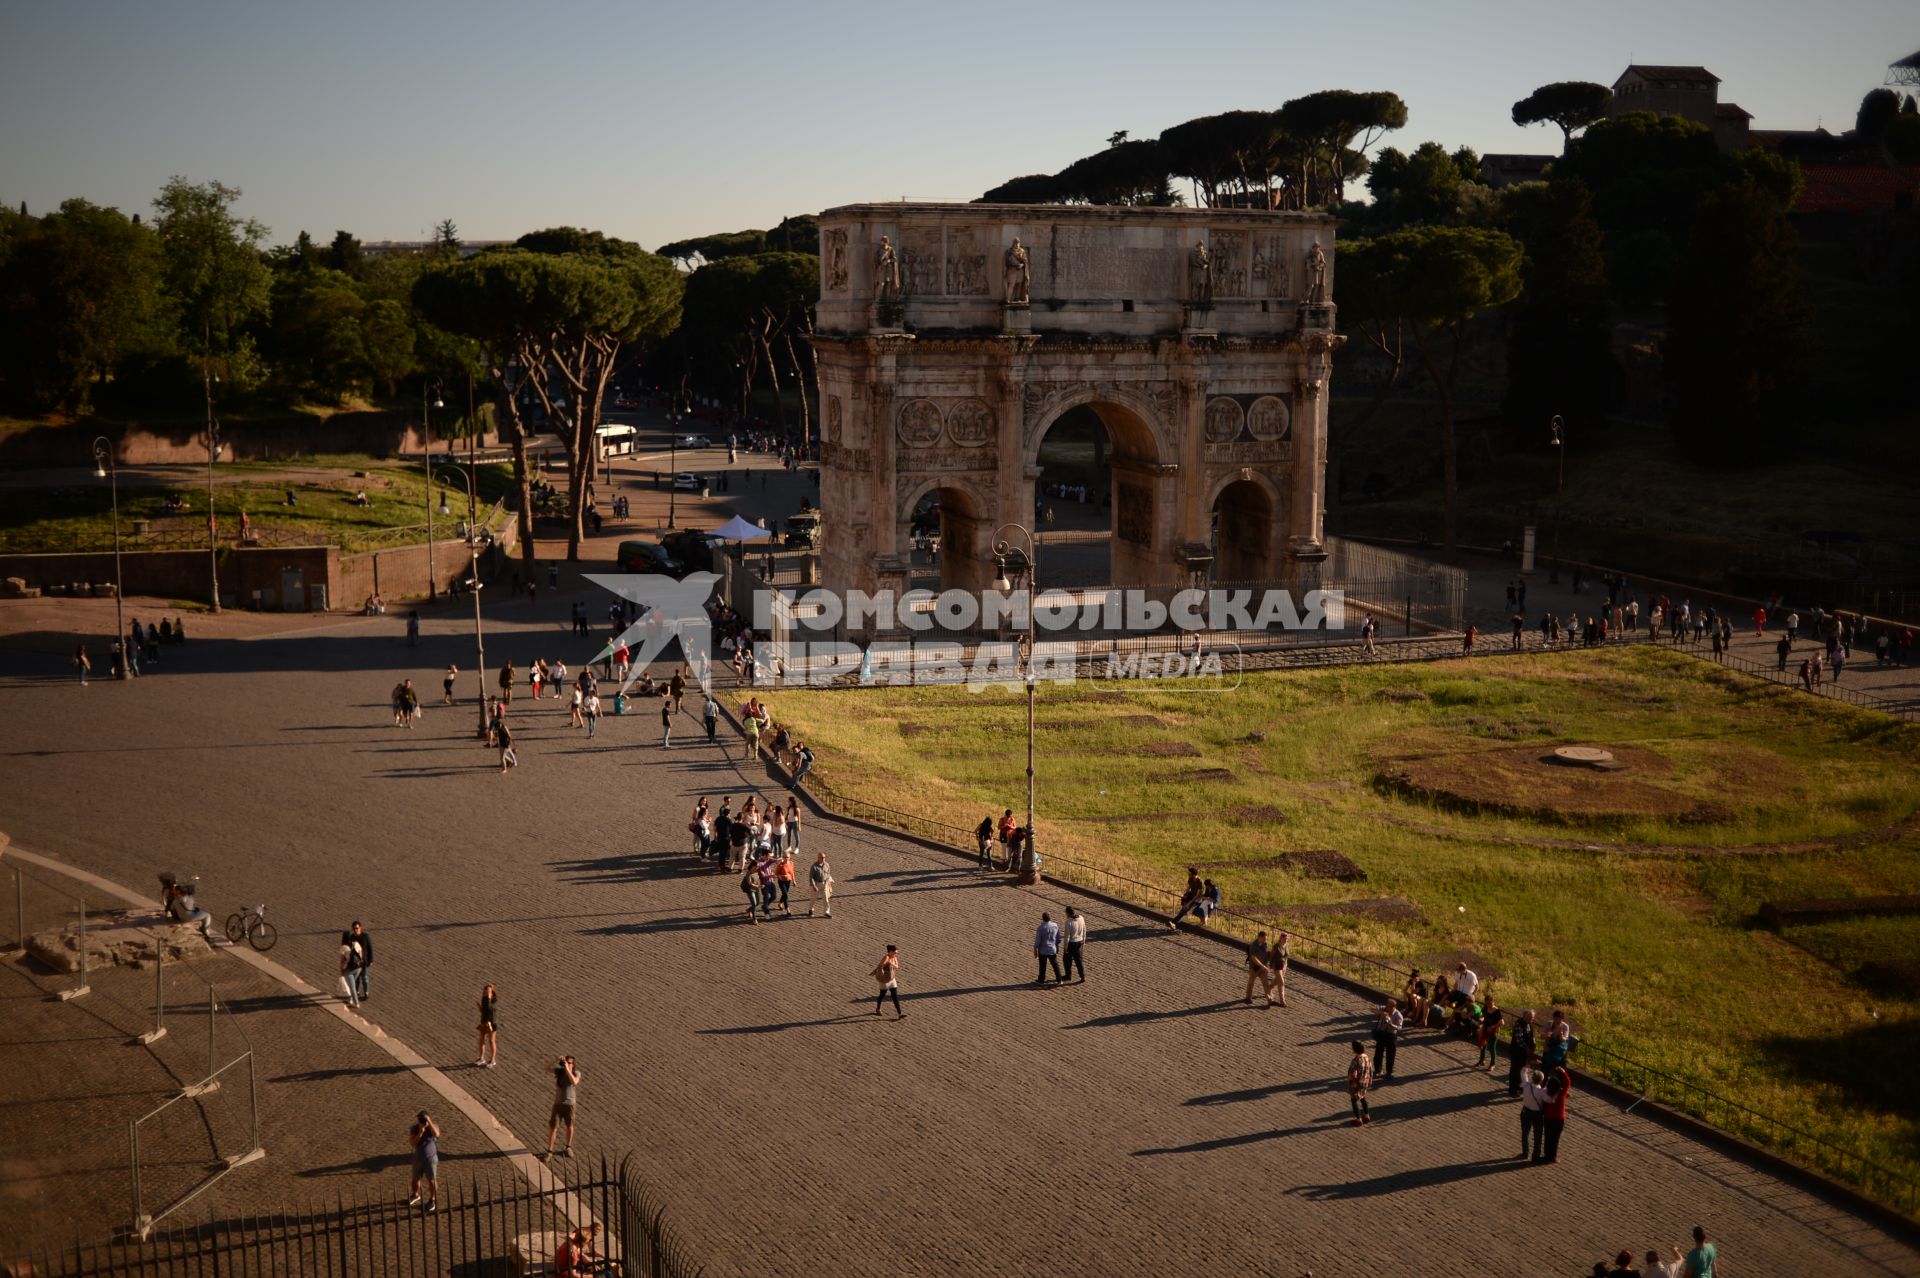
[1145, 1121]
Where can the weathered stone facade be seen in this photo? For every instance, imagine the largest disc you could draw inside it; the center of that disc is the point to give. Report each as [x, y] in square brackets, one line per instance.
[951, 337]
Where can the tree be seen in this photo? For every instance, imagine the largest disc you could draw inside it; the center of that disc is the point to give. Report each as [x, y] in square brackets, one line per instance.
[1569, 105]
[446, 238]
[344, 254]
[1132, 173]
[1429, 186]
[712, 248]
[1330, 131]
[1878, 109]
[551, 326]
[1431, 281]
[1559, 358]
[79, 289]
[1739, 329]
[212, 276]
[1034, 188]
[1647, 174]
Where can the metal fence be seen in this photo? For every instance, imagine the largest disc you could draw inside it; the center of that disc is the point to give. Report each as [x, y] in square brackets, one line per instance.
[1428, 594]
[1894, 1188]
[1790, 678]
[488, 1226]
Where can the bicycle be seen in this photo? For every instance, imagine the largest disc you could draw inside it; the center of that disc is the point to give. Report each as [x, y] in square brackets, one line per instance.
[253, 927]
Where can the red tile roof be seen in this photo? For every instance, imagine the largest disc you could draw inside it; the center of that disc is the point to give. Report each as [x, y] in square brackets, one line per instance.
[1857, 188]
[1731, 111]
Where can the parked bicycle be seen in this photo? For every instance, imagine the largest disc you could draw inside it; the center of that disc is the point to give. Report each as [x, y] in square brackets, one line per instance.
[252, 927]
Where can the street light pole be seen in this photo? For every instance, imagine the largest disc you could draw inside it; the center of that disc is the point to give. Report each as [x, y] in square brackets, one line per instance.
[104, 468]
[473, 578]
[213, 452]
[426, 452]
[1559, 429]
[1003, 551]
[673, 469]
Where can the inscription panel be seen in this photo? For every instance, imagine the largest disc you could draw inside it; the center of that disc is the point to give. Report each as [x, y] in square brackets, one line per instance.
[921, 461]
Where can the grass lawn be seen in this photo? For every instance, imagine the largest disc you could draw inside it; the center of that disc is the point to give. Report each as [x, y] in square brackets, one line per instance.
[1626, 897]
[80, 517]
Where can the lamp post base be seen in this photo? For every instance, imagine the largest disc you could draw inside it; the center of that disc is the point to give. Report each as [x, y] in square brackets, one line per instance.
[1029, 875]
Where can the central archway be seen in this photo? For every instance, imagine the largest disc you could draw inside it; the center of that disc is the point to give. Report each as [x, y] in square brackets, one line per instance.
[1095, 464]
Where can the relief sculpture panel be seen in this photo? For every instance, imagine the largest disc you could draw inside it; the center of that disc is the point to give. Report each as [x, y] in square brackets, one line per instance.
[1229, 263]
[919, 424]
[1133, 514]
[920, 268]
[1224, 419]
[966, 263]
[970, 423]
[1269, 418]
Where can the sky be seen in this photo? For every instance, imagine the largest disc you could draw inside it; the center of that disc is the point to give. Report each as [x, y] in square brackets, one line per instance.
[655, 122]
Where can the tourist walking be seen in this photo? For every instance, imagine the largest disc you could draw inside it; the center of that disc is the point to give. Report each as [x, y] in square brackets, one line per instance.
[489, 1027]
[413, 629]
[750, 725]
[983, 835]
[566, 1095]
[1489, 1034]
[1046, 947]
[749, 879]
[424, 1136]
[666, 721]
[1700, 1261]
[1533, 1101]
[576, 709]
[1519, 1051]
[503, 736]
[1278, 956]
[783, 871]
[1074, 936]
[1387, 1024]
[357, 935]
[710, 717]
[349, 962]
[793, 824]
[1359, 1078]
[1259, 970]
[820, 884]
[1554, 1112]
[446, 684]
[81, 664]
[888, 975]
[506, 683]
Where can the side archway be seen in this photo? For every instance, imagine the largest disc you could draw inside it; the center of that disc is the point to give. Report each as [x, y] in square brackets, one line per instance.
[1247, 528]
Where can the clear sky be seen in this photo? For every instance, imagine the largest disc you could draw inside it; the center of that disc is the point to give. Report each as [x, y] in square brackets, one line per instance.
[658, 121]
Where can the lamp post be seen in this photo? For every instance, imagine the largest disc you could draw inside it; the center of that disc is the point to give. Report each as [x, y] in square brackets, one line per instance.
[426, 452]
[104, 468]
[1022, 565]
[673, 468]
[473, 579]
[211, 437]
[1559, 429]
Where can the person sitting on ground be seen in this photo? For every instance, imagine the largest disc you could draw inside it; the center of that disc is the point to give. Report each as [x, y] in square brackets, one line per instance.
[1416, 998]
[183, 908]
[1442, 995]
[782, 745]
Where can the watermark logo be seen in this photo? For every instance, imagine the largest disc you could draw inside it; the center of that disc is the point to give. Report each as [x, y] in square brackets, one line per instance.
[666, 609]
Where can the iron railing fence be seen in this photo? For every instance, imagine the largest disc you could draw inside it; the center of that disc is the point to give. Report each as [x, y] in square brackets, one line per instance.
[489, 1225]
[1892, 1187]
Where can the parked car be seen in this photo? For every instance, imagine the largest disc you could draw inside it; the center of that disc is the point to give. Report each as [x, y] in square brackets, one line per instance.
[645, 556]
[803, 529]
[690, 547]
[695, 441]
[686, 482]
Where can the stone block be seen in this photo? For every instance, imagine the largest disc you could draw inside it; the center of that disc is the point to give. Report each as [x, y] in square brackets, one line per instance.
[119, 938]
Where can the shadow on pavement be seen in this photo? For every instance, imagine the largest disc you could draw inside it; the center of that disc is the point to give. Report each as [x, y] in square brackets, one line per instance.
[847, 1019]
[1141, 1018]
[1400, 1182]
[1234, 1142]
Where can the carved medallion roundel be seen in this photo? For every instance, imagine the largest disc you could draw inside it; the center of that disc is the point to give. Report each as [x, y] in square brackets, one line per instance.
[919, 425]
[970, 423]
[1223, 420]
[1268, 418]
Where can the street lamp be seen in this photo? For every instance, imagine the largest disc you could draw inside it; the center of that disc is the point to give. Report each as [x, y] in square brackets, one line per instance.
[104, 468]
[211, 437]
[673, 467]
[473, 581]
[426, 451]
[1024, 565]
[1559, 429]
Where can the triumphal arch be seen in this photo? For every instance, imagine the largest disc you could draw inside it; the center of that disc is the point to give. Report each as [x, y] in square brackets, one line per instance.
[950, 337]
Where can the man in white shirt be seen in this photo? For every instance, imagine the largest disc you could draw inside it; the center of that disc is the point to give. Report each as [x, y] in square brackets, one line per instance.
[1076, 937]
[1046, 947]
[1465, 982]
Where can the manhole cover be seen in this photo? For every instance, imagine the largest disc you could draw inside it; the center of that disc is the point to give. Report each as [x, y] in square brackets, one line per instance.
[1583, 756]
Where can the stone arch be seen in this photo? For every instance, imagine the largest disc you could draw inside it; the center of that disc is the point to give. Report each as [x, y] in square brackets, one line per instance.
[966, 528]
[1248, 515]
[1134, 424]
[1140, 494]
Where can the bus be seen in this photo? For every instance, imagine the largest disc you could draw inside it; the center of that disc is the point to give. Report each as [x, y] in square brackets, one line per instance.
[612, 440]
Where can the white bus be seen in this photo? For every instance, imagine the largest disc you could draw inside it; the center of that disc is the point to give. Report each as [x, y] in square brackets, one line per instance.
[612, 440]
